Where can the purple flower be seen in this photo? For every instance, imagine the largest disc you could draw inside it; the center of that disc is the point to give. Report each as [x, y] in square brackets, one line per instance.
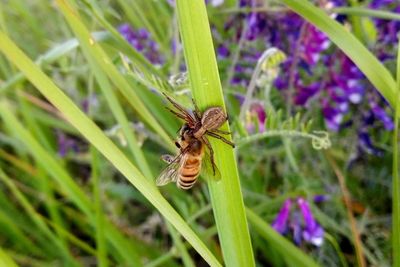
[321, 198]
[304, 93]
[333, 117]
[256, 115]
[213, 2]
[365, 144]
[314, 43]
[66, 144]
[313, 232]
[381, 115]
[281, 220]
[301, 223]
[296, 226]
[141, 40]
[223, 51]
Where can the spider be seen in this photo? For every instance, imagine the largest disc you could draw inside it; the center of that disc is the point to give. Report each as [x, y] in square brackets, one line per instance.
[200, 125]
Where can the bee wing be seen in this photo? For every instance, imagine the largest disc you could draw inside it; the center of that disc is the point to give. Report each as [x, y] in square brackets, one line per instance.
[171, 172]
[207, 168]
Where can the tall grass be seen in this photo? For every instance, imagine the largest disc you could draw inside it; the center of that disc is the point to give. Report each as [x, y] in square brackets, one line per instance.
[94, 135]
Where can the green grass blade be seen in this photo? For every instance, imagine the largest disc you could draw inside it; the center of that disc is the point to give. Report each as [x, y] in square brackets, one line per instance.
[293, 255]
[98, 139]
[180, 246]
[6, 260]
[376, 73]
[366, 12]
[226, 195]
[50, 56]
[396, 182]
[100, 237]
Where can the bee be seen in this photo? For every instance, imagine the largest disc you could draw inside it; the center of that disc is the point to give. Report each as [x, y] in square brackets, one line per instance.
[185, 168]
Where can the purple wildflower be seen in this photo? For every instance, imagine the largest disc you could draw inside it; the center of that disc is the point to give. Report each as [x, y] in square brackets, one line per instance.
[281, 220]
[312, 232]
[214, 3]
[295, 226]
[141, 40]
[381, 115]
[256, 114]
[365, 144]
[66, 144]
[301, 222]
[223, 51]
[315, 42]
[321, 198]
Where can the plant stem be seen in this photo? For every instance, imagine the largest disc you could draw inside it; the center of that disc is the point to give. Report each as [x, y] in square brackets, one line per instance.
[347, 200]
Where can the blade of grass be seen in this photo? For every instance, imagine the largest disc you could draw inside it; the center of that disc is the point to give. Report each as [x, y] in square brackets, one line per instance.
[376, 73]
[50, 56]
[101, 245]
[16, 234]
[187, 261]
[73, 239]
[103, 144]
[6, 260]
[361, 11]
[395, 174]
[225, 195]
[293, 255]
[100, 239]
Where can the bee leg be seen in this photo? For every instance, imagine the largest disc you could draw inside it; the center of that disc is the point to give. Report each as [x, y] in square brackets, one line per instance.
[205, 141]
[223, 139]
[167, 158]
[220, 131]
[177, 145]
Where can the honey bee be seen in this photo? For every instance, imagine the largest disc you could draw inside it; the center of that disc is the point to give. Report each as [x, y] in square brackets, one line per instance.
[185, 168]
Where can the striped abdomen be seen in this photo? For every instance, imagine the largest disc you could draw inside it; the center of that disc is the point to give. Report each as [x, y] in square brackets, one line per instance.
[189, 172]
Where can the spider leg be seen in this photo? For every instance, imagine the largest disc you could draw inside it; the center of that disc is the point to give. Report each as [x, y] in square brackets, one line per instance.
[179, 115]
[180, 108]
[205, 141]
[223, 139]
[196, 111]
[219, 131]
